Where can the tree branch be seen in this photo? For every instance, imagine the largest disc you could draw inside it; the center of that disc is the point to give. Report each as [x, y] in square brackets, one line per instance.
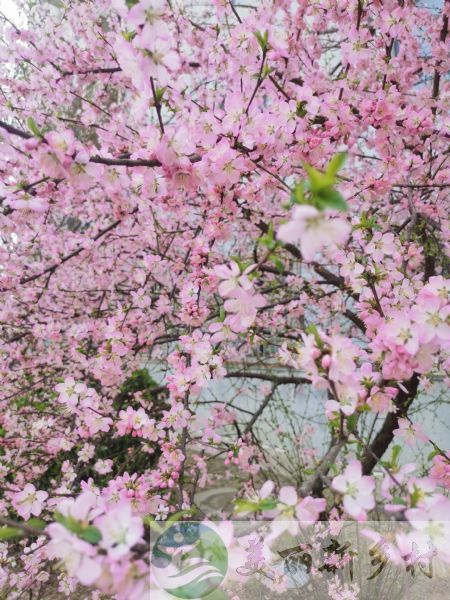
[279, 380]
[386, 434]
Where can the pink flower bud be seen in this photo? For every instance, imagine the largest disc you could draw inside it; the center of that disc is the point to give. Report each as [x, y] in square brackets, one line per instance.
[326, 361]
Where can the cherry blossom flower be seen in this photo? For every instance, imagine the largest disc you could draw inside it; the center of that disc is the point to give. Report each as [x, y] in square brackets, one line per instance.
[440, 471]
[433, 521]
[380, 245]
[222, 331]
[232, 278]
[314, 230]
[61, 142]
[79, 557]
[69, 391]
[432, 320]
[411, 433]
[29, 501]
[357, 490]
[103, 466]
[142, 151]
[400, 331]
[120, 530]
[245, 306]
[347, 402]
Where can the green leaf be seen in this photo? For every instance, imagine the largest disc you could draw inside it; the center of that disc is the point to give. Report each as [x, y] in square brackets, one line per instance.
[245, 506]
[396, 500]
[69, 523]
[268, 240]
[159, 93]
[266, 71]
[242, 505]
[263, 40]
[268, 504]
[179, 515]
[415, 497]
[336, 163]
[9, 533]
[352, 421]
[277, 262]
[90, 534]
[238, 261]
[32, 126]
[87, 533]
[128, 36]
[318, 180]
[37, 523]
[366, 222]
[395, 453]
[301, 109]
[332, 199]
[313, 329]
[298, 193]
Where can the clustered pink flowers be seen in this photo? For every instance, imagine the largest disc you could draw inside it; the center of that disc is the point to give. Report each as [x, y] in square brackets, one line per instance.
[241, 301]
[118, 531]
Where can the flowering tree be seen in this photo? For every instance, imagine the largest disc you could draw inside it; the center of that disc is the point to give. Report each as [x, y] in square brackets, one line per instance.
[185, 186]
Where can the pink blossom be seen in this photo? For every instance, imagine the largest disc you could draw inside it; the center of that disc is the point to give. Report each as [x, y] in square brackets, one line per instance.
[61, 142]
[440, 471]
[222, 331]
[411, 433]
[399, 331]
[82, 508]
[29, 501]
[120, 530]
[226, 163]
[380, 245]
[232, 278]
[348, 397]
[103, 466]
[432, 320]
[245, 306]
[357, 490]
[433, 521]
[342, 356]
[79, 557]
[314, 230]
[69, 391]
[308, 509]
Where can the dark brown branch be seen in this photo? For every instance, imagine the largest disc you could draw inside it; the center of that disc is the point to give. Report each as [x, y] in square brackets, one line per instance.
[128, 162]
[260, 410]
[437, 75]
[99, 70]
[386, 434]
[235, 12]
[14, 131]
[279, 380]
[313, 485]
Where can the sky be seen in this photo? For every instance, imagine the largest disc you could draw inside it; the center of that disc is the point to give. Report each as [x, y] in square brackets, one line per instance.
[9, 9]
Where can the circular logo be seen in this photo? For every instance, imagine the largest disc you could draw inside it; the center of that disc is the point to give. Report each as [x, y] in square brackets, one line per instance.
[189, 560]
